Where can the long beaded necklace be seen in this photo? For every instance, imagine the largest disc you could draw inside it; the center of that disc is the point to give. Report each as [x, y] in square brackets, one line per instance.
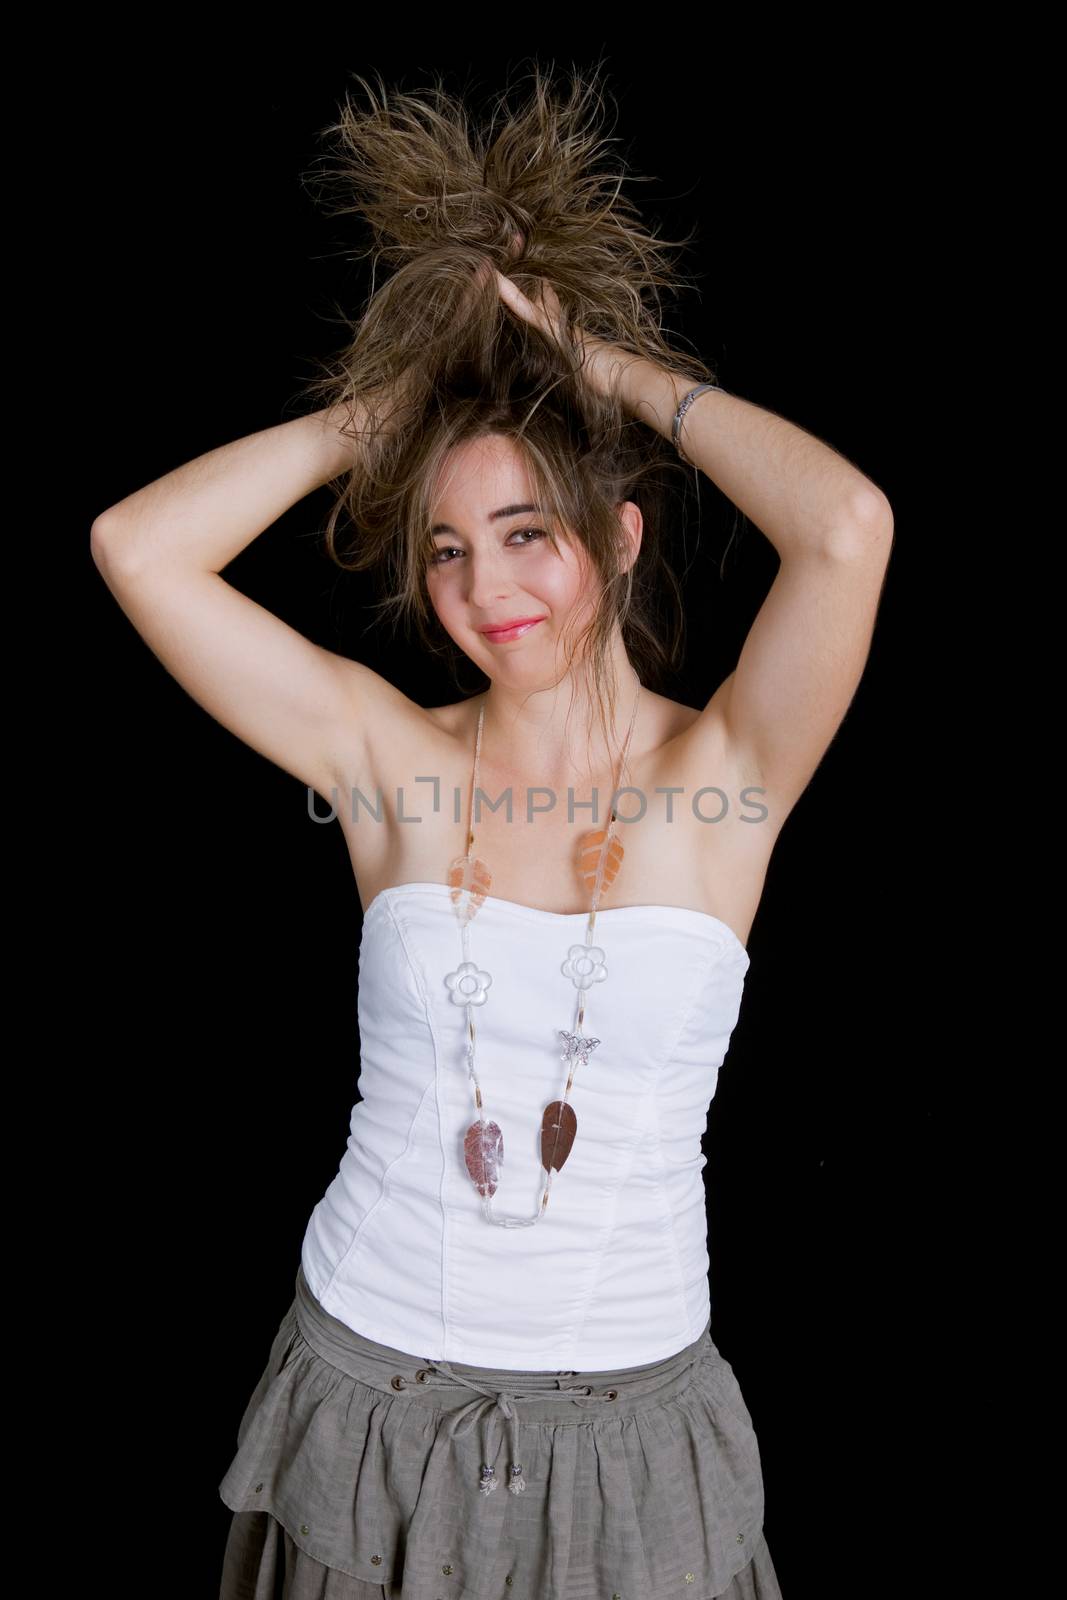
[600, 855]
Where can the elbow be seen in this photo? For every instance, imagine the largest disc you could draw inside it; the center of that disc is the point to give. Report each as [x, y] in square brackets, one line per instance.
[100, 539]
[111, 547]
[872, 509]
[866, 529]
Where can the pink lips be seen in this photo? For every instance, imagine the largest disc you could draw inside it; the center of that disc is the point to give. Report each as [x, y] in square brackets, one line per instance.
[502, 635]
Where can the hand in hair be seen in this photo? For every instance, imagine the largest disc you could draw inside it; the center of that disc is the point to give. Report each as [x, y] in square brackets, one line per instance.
[600, 360]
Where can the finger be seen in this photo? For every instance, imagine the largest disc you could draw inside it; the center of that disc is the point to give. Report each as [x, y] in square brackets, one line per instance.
[513, 294]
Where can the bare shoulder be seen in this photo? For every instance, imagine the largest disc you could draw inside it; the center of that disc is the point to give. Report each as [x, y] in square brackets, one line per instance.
[723, 831]
[673, 716]
[686, 740]
[389, 720]
[702, 748]
[450, 719]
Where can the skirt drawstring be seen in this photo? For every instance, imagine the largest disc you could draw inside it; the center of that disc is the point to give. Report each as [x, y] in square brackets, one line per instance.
[503, 1401]
[385, 1368]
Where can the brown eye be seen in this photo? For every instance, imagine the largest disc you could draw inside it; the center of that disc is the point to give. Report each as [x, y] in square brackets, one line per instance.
[444, 554]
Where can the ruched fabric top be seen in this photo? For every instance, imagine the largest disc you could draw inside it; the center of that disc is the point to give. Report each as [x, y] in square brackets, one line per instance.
[615, 1273]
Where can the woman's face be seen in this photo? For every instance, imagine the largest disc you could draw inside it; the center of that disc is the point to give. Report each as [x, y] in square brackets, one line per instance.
[490, 568]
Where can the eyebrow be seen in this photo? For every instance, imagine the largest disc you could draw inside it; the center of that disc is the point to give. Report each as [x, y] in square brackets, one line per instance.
[505, 511]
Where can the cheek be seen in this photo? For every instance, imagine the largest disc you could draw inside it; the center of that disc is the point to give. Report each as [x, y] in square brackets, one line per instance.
[561, 584]
[438, 588]
[437, 598]
[574, 587]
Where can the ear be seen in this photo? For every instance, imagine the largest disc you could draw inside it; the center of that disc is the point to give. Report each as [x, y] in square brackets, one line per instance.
[633, 525]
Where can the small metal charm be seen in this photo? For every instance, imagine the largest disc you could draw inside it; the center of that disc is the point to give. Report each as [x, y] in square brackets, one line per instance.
[576, 1045]
[518, 1482]
[488, 1483]
[419, 212]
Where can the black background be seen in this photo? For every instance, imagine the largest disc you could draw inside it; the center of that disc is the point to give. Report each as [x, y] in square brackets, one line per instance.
[221, 927]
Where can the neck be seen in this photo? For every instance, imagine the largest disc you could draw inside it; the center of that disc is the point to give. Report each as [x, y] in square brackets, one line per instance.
[554, 734]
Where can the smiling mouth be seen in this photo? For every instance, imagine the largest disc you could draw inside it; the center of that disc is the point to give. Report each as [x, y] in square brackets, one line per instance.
[502, 635]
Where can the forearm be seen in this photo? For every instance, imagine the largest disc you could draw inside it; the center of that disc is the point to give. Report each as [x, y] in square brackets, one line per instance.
[798, 491]
[205, 512]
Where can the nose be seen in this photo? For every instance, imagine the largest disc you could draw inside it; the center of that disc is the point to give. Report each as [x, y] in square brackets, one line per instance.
[487, 585]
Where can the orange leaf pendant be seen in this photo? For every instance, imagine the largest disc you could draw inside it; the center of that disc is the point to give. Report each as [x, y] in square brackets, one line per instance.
[470, 881]
[599, 860]
[483, 1150]
[558, 1128]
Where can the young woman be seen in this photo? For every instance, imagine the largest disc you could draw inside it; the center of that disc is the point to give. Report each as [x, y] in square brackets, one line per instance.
[497, 1375]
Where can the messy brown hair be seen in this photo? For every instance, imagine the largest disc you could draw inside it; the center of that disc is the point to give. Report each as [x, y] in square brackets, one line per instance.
[436, 359]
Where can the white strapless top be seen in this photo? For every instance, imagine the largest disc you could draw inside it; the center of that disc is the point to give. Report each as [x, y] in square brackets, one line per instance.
[615, 1274]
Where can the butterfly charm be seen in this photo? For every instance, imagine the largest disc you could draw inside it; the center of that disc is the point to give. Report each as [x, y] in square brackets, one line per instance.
[578, 1046]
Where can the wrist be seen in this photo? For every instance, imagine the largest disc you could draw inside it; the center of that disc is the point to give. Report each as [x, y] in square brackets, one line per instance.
[335, 450]
[654, 394]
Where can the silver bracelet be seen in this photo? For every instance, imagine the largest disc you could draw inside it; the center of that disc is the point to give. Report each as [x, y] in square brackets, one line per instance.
[676, 430]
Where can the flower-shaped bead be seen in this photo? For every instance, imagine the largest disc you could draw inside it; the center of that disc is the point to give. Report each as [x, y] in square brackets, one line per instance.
[584, 965]
[468, 985]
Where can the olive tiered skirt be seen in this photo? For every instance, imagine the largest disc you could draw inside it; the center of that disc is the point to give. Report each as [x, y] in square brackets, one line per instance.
[365, 1473]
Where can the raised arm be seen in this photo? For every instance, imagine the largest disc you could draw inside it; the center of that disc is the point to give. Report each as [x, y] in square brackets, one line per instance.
[161, 552]
[832, 527]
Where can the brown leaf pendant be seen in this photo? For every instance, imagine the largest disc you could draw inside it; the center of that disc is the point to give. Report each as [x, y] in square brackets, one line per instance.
[470, 881]
[558, 1127]
[599, 860]
[483, 1150]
